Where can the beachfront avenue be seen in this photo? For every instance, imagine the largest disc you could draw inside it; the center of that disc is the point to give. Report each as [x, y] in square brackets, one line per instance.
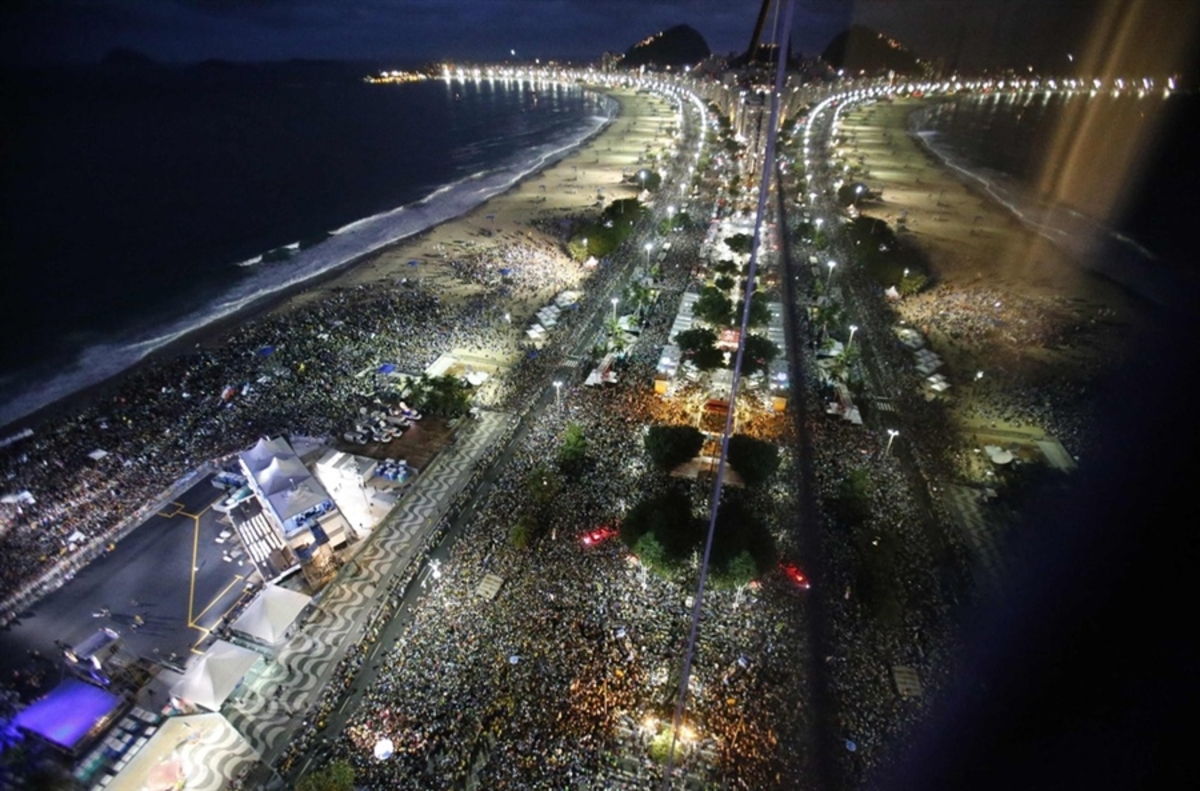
[568, 671]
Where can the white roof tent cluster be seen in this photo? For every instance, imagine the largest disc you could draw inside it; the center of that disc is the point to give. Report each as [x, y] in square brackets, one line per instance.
[296, 501]
[547, 316]
[269, 618]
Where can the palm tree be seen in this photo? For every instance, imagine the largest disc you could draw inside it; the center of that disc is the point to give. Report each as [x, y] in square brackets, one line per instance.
[640, 296]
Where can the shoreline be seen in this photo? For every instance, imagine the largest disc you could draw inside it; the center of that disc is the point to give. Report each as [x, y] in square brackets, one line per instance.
[214, 332]
[360, 296]
[1095, 247]
[1002, 298]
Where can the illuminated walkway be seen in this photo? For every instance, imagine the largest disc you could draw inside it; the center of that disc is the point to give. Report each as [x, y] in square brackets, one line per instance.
[272, 705]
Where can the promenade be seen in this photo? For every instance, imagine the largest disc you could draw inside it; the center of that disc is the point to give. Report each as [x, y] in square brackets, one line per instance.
[274, 707]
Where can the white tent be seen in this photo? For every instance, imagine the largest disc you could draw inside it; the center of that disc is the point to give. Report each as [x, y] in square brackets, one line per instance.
[281, 474]
[264, 452]
[214, 676]
[272, 612]
[997, 454]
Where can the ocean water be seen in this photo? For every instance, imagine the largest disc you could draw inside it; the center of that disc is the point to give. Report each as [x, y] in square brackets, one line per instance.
[1107, 178]
[137, 204]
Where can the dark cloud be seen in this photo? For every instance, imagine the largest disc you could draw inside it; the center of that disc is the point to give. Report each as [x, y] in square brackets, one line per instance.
[256, 29]
[974, 32]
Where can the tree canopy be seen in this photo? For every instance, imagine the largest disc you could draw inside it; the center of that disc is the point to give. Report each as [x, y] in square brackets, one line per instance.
[337, 776]
[668, 516]
[739, 243]
[740, 531]
[572, 454]
[445, 395]
[853, 504]
[760, 351]
[602, 237]
[698, 345]
[760, 314]
[713, 306]
[670, 446]
[649, 179]
[754, 459]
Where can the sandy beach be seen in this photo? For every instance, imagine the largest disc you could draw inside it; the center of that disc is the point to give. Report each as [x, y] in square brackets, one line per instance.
[585, 181]
[298, 359]
[1003, 299]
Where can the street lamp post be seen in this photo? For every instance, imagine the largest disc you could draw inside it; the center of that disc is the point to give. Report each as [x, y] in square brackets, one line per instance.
[832, 265]
[614, 304]
[557, 393]
[892, 434]
[849, 343]
[649, 246]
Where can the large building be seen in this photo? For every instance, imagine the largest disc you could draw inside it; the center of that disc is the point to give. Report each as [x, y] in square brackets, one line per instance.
[294, 501]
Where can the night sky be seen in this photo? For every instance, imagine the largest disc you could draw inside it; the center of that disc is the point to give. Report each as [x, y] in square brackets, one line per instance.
[971, 33]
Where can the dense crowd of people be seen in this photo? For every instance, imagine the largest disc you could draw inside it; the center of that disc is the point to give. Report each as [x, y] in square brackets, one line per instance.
[302, 371]
[895, 564]
[569, 673]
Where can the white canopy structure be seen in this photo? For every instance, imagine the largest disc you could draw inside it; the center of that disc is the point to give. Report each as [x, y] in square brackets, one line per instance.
[264, 452]
[215, 675]
[281, 474]
[268, 618]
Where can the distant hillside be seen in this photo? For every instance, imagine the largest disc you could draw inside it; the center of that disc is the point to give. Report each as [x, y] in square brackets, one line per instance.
[681, 45]
[862, 49]
[129, 59]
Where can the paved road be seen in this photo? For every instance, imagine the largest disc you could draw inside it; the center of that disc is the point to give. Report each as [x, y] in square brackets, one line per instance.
[152, 566]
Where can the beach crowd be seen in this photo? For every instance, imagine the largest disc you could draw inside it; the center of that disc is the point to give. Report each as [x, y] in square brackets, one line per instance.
[569, 674]
[565, 677]
[93, 474]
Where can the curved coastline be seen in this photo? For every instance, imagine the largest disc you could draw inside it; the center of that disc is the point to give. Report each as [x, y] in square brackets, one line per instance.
[1100, 249]
[101, 367]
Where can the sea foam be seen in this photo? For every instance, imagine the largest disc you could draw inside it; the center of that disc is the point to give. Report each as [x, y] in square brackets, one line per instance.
[23, 392]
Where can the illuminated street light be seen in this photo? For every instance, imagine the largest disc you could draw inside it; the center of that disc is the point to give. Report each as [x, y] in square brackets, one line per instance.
[892, 434]
[648, 248]
[849, 343]
[614, 301]
[557, 393]
[832, 265]
[978, 375]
